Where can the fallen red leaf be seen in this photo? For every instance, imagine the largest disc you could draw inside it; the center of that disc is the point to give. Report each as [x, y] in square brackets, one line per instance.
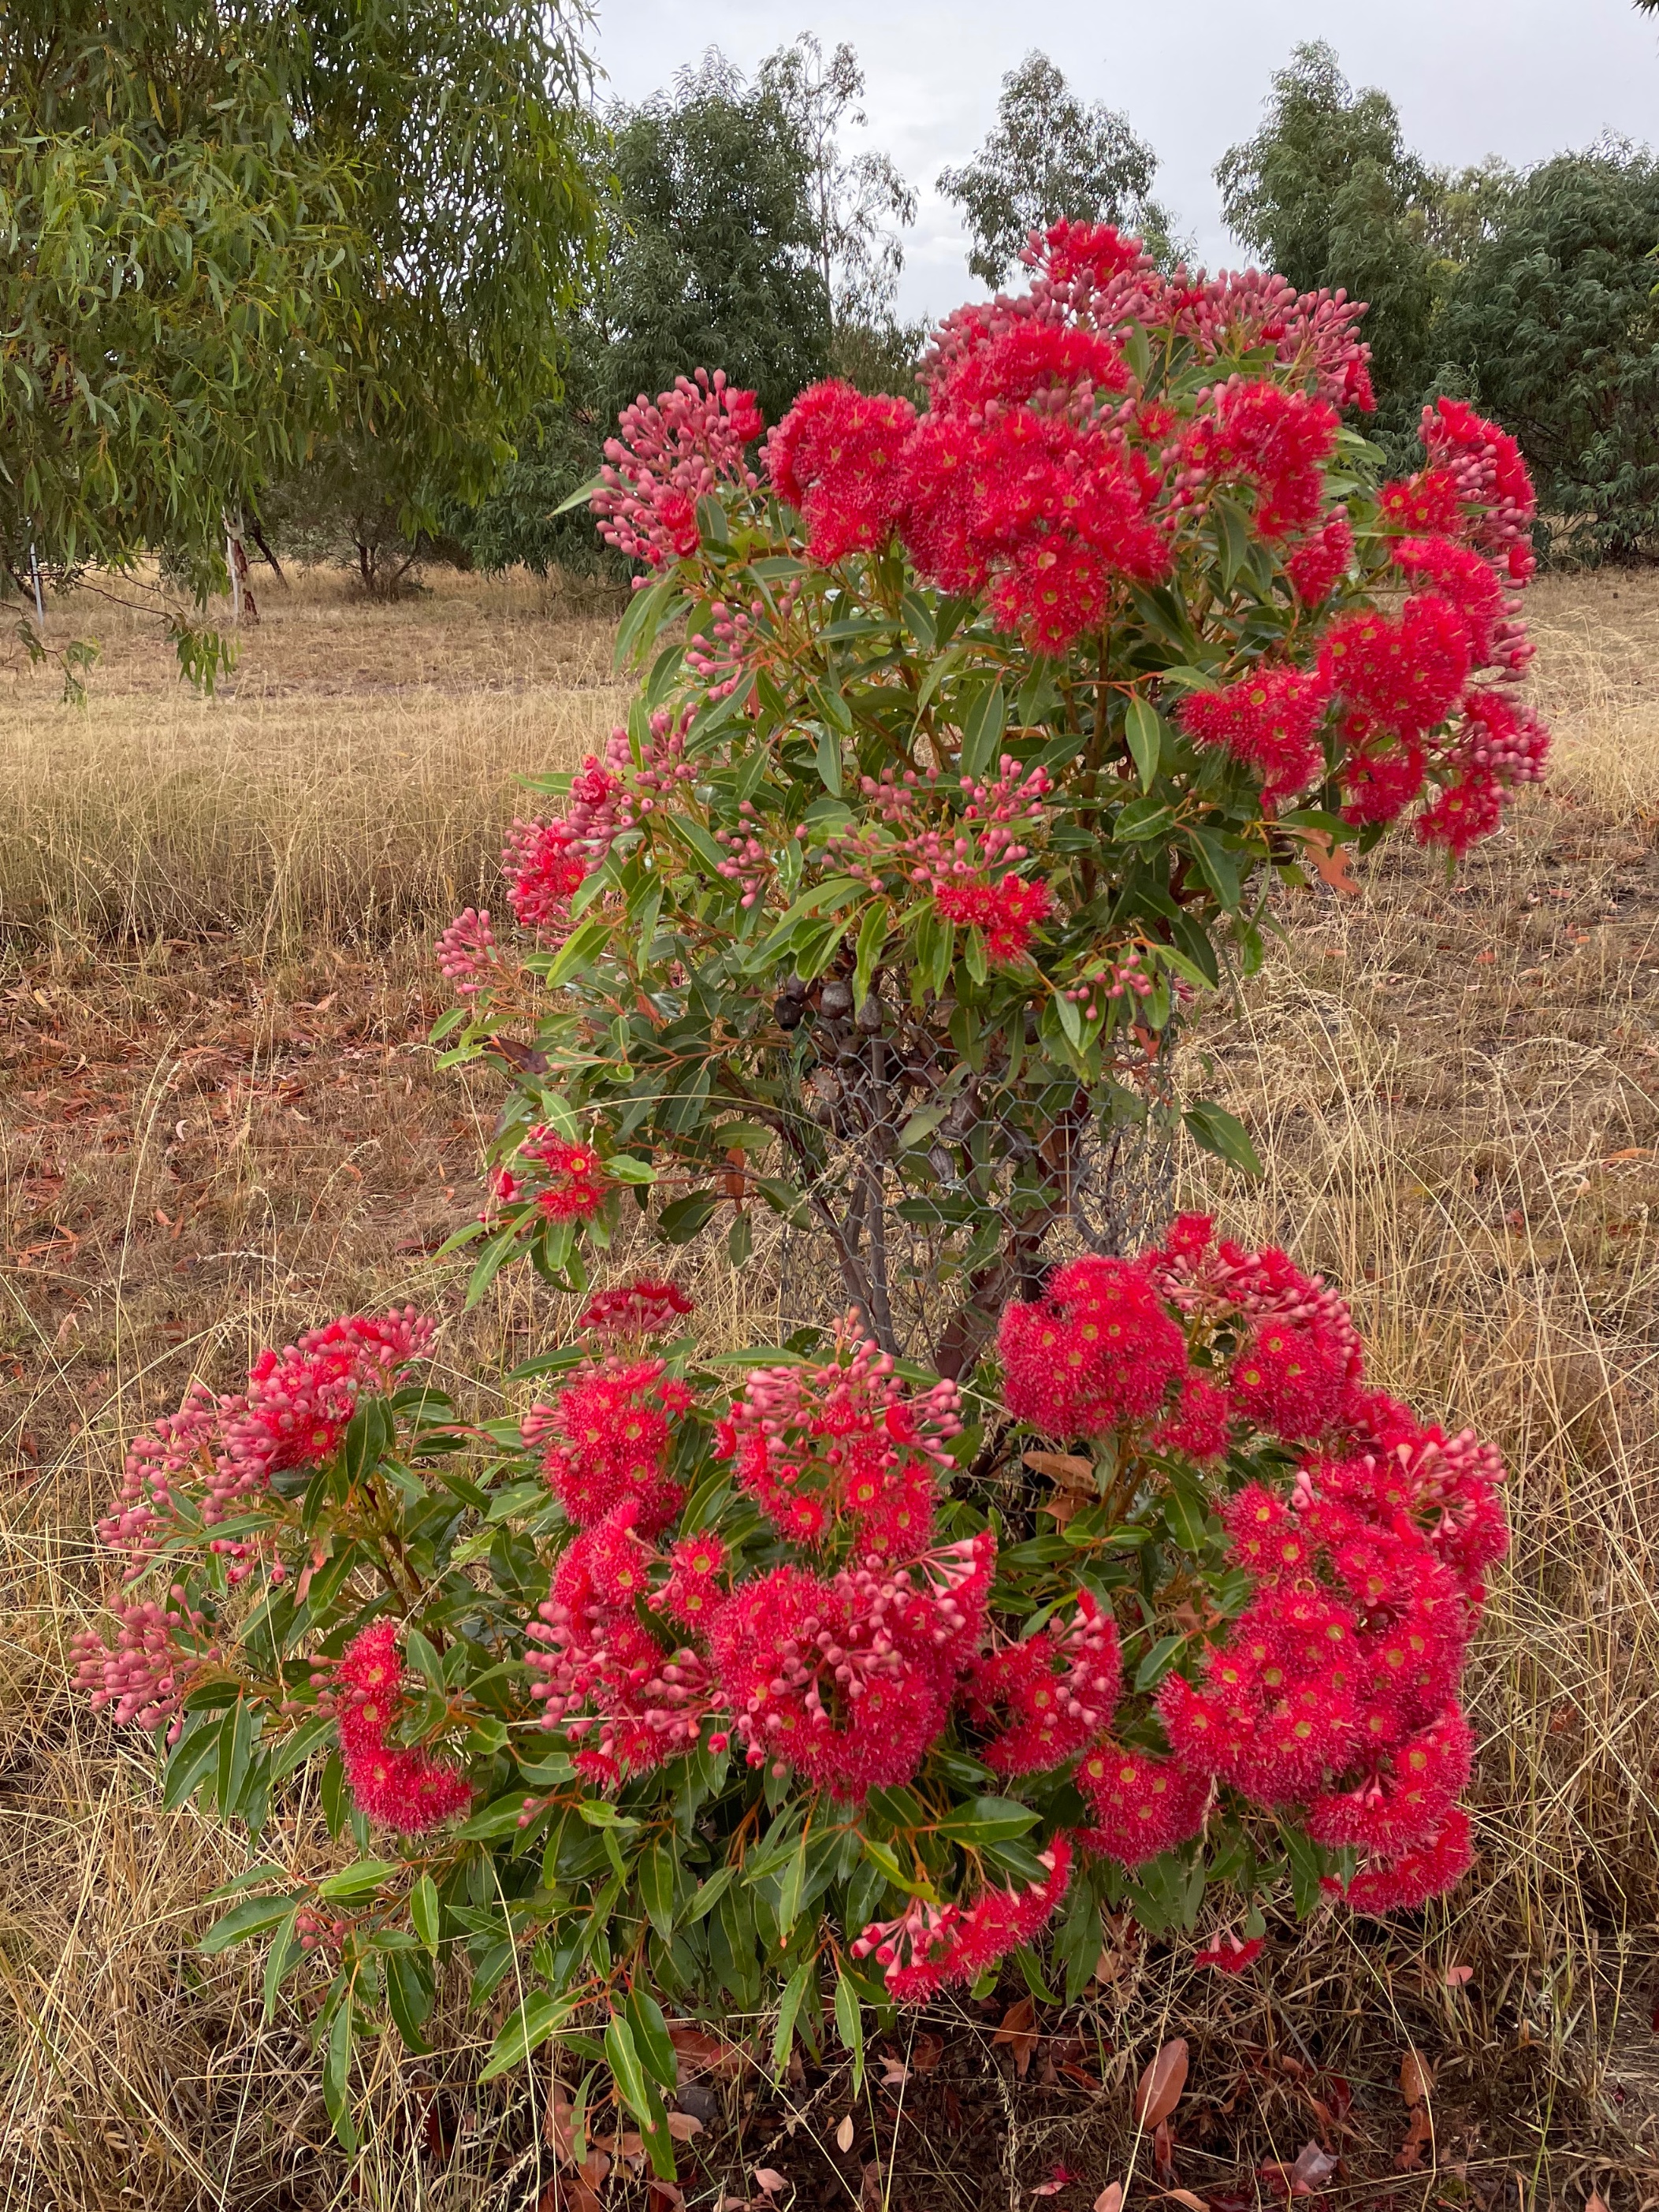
[1019, 2031]
[1161, 2085]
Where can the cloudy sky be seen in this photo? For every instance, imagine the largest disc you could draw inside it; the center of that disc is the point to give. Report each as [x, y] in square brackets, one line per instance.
[1521, 78]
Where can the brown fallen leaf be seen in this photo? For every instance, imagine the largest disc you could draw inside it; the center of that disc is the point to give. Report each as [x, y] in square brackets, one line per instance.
[1161, 2085]
[556, 2127]
[1110, 2198]
[696, 2051]
[926, 2051]
[1594, 2202]
[1334, 863]
[684, 2126]
[1186, 2197]
[663, 2196]
[1019, 2031]
[1409, 2156]
[1416, 2078]
[1069, 1468]
[894, 2071]
[770, 2180]
[845, 2133]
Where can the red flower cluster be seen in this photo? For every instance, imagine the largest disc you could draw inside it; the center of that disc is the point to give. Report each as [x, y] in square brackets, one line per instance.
[606, 1681]
[835, 456]
[1007, 913]
[401, 1787]
[1053, 1693]
[931, 1947]
[850, 1679]
[1270, 720]
[145, 1676]
[644, 1307]
[605, 1444]
[1097, 1350]
[666, 458]
[546, 862]
[1275, 441]
[1142, 1804]
[1334, 1690]
[467, 952]
[577, 1182]
[845, 1448]
[294, 1413]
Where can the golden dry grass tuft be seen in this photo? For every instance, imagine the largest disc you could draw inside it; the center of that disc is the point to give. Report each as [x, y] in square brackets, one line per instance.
[218, 1123]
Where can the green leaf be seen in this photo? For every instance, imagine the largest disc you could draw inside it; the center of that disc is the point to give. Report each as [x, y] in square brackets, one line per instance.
[981, 732]
[578, 949]
[623, 2055]
[193, 1756]
[850, 2025]
[872, 941]
[539, 2016]
[358, 1879]
[425, 1912]
[679, 1222]
[796, 1991]
[657, 1890]
[790, 1889]
[285, 1954]
[337, 2075]
[1307, 1868]
[294, 1749]
[1158, 1661]
[1144, 729]
[409, 1995]
[829, 761]
[235, 1748]
[648, 612]
[580, 497]
[651, 2036]
[1217, 867]
[1223, 1133]
[709, 1893]
[256, 1917]
[988, 1820]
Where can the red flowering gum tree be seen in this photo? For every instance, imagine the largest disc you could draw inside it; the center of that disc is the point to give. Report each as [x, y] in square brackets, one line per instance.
[969, 746]
[724, 1696]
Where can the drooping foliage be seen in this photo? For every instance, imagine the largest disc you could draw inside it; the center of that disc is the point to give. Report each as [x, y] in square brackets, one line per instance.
[230, 233]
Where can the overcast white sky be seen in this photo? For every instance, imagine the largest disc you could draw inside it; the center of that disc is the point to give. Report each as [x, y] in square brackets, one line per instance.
[1521, 78]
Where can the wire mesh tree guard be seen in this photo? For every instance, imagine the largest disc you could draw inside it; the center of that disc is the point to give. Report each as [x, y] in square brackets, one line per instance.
[937, 1190]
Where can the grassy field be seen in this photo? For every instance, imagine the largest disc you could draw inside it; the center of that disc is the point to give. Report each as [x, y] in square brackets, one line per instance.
[219, 1122]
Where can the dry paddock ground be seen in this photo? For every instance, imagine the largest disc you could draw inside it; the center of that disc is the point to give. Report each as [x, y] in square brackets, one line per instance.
[219, 1123]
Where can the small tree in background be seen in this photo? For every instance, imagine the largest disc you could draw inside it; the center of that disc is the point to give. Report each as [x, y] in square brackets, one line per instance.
[741, 230]
[1552, 325]
[1327, 192]
[862, 207]
[1052, 158]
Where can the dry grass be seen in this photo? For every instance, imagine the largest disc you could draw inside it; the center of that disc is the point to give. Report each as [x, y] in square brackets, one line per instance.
[207, 1142]
[352, 779]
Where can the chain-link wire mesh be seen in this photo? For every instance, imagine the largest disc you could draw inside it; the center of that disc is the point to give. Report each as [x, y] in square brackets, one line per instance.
[937, 1191]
